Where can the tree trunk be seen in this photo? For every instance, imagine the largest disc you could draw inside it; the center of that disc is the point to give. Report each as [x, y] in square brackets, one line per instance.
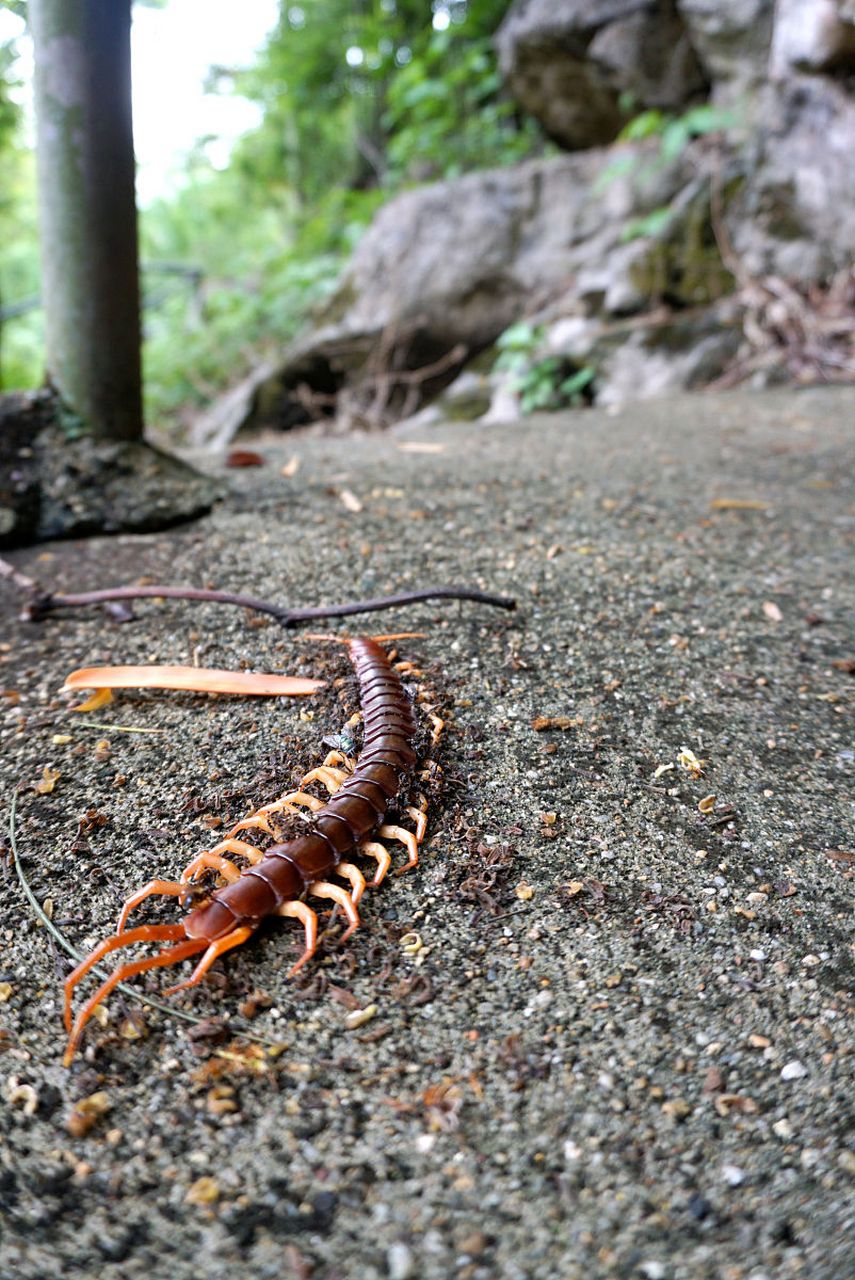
[87, 211]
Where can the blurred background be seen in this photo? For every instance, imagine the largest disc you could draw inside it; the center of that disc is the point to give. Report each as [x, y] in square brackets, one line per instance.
[570, 202]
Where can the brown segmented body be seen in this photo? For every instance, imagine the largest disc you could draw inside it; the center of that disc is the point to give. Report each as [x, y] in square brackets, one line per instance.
[278, 881]
[352, 815]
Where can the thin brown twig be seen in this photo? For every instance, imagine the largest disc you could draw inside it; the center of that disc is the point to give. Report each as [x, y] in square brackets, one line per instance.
[42, 602]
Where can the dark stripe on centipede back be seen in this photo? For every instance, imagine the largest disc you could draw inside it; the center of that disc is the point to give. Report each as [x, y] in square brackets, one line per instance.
[310, 856]
[359, 814]
[382, 774]
[370, 792]
[386, 706]
[395, 743]
[336, 828]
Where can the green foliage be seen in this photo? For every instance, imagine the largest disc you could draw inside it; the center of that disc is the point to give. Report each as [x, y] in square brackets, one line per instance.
[676, 132]
[357, 97]
[543, 382]
[446, 112]
[21, 339]
[654, 223]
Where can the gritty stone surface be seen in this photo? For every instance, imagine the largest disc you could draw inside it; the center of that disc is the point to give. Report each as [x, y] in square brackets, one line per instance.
[644, 832]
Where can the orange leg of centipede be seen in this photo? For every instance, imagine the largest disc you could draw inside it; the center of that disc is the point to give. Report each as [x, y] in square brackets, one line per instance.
[214, 951]
[351, 873]
[300, 911]
[340, 896]
[208, 858]
[329, 777]
[145, 933]
[390, 832]
[381, 855]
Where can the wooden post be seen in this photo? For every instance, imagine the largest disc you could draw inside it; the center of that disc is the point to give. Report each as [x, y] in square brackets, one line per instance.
[87, 211]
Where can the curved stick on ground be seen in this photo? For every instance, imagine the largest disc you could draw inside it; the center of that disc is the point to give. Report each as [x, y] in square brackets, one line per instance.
[42, 602]
[276, 882]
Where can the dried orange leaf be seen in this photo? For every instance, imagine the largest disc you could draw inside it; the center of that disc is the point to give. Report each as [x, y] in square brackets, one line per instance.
[738, 504]
[539, 723]
[48, 780]
[196, 679]
[98, 699]
[86, 1113]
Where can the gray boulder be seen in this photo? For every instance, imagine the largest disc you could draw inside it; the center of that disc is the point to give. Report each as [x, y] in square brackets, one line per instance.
[583, 67]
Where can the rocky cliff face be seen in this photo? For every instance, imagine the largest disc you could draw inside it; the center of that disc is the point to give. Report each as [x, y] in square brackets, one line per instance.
[718, 246]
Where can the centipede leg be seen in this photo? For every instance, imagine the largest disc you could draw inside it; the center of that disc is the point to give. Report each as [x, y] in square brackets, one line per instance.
[258, 821]
[338, 757]
[325, 889]
[438, 726]
[165, 888]
[202, 860]
[406, 838]
[419, 817]
[329, 777]
[407, 669]
[208, 860]
[308, 918]
[143, 933]
[357, 880]
[215, 950]
[374, 849]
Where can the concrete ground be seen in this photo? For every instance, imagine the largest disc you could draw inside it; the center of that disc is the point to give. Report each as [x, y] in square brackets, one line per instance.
[618, 1045]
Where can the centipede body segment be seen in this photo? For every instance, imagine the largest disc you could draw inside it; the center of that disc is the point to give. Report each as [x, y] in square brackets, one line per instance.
[276, 882]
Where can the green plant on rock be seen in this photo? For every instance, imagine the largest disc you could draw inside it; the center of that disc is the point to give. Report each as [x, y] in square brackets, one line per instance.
[542, 382]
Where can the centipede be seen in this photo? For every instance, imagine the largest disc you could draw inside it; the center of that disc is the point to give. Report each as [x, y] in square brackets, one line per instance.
[352, 820]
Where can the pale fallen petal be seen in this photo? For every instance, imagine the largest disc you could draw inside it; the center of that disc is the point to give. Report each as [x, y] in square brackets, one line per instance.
[350, 500]
[197, 679]
[421, 446]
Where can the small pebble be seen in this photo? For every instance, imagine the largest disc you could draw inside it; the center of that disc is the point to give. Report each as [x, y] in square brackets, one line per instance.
[400, 1262]
[782, 1128]
[86, 1113]
[204, 1191]
[733, 1175]
[793, 1070]
[358, 1017]
[652, 1270]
